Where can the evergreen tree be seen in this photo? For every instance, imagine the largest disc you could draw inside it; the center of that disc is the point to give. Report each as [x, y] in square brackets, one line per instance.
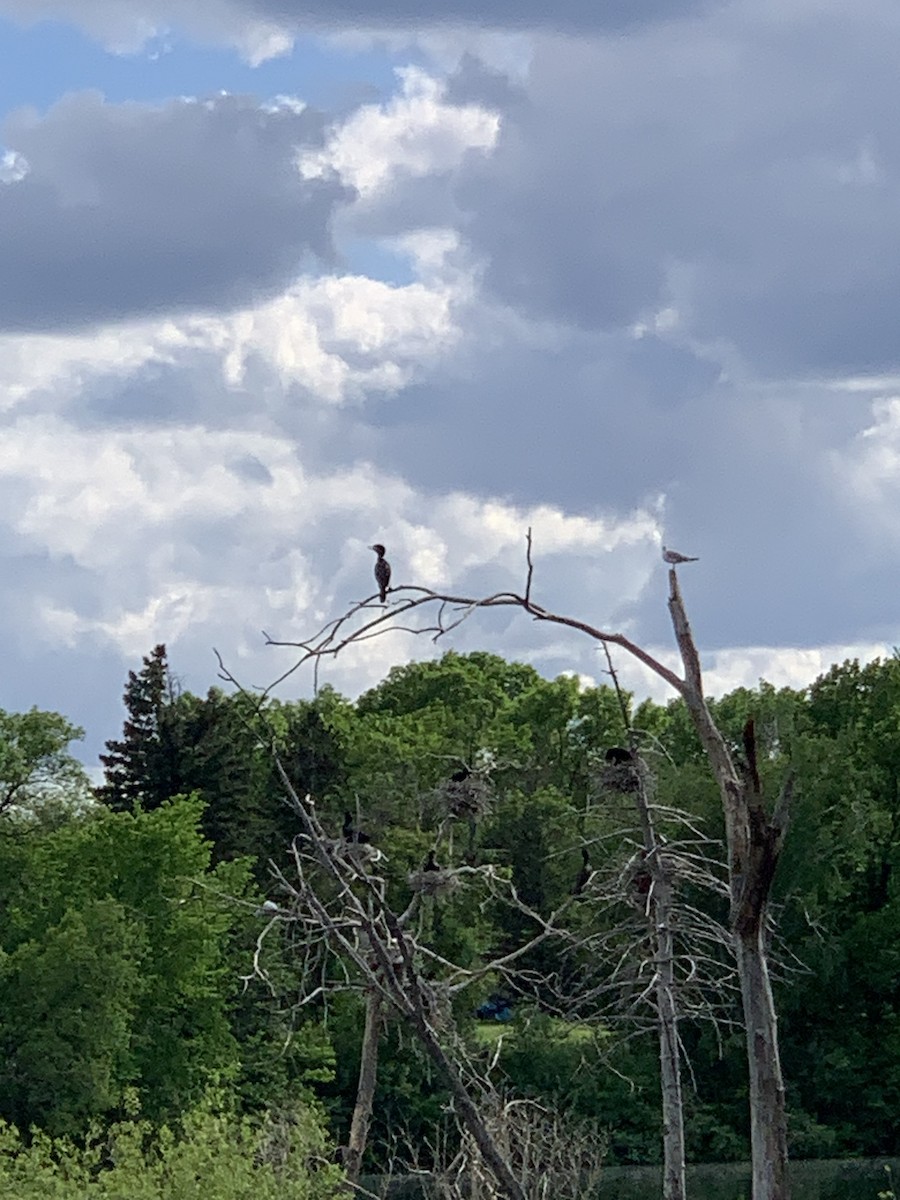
[141, 768]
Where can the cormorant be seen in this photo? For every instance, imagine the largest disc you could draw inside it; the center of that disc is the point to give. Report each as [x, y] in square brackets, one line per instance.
[429, 864]
[584, 874]
[461, 775]
[618, 755]
[353, 835]
[382, 572]
[643, 881]
[673, 558]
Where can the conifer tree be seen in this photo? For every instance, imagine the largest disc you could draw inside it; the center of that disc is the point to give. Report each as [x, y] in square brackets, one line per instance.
[142, 768]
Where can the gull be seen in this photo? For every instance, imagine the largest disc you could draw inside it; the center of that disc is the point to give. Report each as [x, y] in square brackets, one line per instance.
[674, 558]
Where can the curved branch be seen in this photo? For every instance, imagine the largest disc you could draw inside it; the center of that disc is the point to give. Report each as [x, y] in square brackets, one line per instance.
[331, 638]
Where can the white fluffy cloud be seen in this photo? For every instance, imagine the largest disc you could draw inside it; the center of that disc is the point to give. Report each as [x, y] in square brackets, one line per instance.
[192, 536]
[415, 133]
[338, 338]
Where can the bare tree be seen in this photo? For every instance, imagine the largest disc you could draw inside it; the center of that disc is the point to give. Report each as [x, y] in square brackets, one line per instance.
[754, 839]
[658, 953]
[335, 900]
[557, 1157]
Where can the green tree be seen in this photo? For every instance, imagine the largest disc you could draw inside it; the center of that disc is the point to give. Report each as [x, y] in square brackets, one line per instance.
[36, 768]
[69, 1001]
[114, 967]
[141, 767]
[218, 747]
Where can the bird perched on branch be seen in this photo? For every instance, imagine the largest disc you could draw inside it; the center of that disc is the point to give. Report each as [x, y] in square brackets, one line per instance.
[382, 572]
[618, 756]
[429, 864]
[353, 835]
[674, 558]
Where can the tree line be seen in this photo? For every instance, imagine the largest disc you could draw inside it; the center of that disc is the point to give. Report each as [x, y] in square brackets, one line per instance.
[134, 986]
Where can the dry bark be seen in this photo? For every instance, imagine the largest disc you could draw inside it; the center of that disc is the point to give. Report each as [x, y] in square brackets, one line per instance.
[754, 846]
[365, 1090]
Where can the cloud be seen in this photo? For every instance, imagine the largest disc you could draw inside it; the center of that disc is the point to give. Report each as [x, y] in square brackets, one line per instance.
[129, 25]
[333, 340]
[742, 171]
[200, 537]
[414, 134]
[262, 29]
[867, 477]
[131, 208]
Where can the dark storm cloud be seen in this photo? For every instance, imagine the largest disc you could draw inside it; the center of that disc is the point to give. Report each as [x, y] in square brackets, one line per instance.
[745, 169]
[132, 210]
[222, 20]
[586, 15]
[594, 422]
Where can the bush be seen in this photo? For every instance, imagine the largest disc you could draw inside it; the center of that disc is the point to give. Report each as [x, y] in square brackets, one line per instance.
[216, 1155]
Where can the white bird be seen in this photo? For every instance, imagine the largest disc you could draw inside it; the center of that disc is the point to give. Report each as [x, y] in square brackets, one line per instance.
[674, 558]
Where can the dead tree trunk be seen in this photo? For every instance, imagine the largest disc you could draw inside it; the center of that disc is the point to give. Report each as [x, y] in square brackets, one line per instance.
[669, 1060]
[768, 1118]
[754, 846]
[365, 1091]
[659, 914]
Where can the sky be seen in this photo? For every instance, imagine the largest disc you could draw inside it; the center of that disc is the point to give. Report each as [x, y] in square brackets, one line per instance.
[283, 278]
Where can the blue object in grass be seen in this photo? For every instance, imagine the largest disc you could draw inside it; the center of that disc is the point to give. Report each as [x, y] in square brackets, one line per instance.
[495, 1008]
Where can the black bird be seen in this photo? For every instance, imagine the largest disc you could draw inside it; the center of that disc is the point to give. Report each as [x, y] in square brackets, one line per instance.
[429, 864]
[382, 572]
[584, 874]
[461, 775]
[354, 835]
[619, 755]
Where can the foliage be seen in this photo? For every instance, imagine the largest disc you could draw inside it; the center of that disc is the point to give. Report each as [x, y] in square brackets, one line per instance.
[112, 971]
[36, 768]
[125, 933]
[177, 744]
[212, 1153]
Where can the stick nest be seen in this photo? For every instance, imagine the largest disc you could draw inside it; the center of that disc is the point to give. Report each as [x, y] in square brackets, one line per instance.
[619, 777]
[434, 883]
[467, 799]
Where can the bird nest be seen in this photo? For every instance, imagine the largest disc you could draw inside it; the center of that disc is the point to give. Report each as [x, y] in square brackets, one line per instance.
[434, 883]
[619, 777]
[466, 799]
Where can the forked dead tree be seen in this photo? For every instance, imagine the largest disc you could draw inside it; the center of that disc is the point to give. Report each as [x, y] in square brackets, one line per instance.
[335, 901]
[754, 837]
[686, 972]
